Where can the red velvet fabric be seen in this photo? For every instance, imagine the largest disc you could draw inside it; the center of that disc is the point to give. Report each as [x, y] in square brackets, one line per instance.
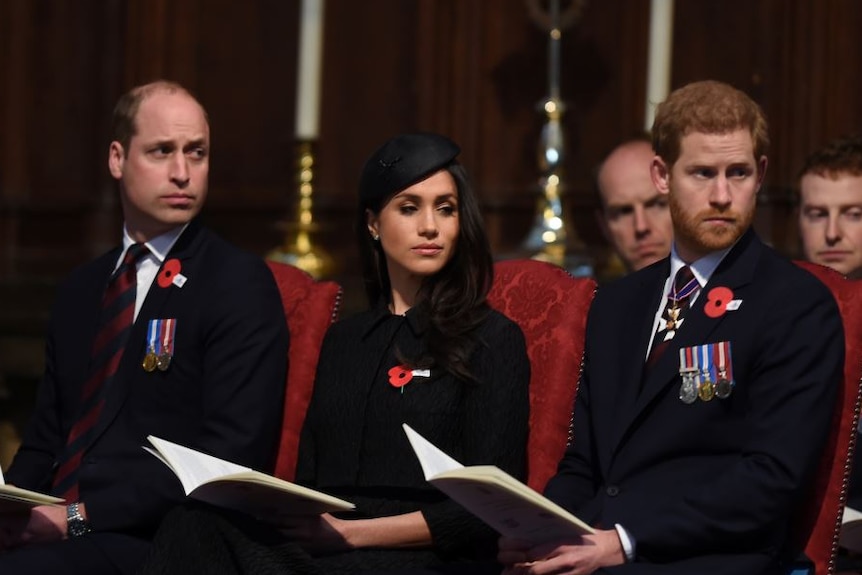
[551, 308]
[311, 307]
[820, 522]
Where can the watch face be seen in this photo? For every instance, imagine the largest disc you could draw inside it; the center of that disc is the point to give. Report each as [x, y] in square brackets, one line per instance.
[78, 527]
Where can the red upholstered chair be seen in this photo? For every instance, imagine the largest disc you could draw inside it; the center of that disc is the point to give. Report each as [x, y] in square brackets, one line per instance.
[820, 522]
[310, 306]
[551, 308]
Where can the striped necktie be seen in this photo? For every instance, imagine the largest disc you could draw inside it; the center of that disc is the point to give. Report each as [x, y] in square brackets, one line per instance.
[115, 323]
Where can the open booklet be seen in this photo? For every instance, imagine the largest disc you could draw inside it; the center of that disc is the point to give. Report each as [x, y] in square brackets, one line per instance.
[495, 497]
[16, 500]
[219, 482]
[850, 536]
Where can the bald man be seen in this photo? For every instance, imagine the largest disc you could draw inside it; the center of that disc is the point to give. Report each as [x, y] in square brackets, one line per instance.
[634, 217]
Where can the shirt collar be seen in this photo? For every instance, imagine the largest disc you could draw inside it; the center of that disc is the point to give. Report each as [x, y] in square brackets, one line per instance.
[416, 318]
[702, 268]
[159, 246]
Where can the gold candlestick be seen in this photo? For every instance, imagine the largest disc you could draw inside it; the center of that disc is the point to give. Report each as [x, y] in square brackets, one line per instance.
[552, 237]
[298, 249]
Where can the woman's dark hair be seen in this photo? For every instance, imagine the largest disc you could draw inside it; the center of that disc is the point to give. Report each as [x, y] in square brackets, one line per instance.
[454, 298]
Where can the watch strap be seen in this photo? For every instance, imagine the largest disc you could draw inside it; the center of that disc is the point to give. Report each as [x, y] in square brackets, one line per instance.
[76, 524]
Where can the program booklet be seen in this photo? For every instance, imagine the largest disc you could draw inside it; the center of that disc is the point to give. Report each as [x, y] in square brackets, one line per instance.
[495, 497]
[850, 536]
[224, 484]
[16, 500]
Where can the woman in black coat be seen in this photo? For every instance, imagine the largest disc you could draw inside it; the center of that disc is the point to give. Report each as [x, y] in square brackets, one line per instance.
[430, 353]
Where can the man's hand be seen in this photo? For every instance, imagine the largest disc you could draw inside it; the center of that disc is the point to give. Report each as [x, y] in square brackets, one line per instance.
[41, 524]
[579, 557]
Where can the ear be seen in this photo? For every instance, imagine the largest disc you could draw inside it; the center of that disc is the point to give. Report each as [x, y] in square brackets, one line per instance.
[372, 223]
[761, 171]
[116, 159]
[660, 174]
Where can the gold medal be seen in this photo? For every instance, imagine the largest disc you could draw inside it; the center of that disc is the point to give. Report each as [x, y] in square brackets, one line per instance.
[150, 361]
[163, 360]
[706, 391]
[672, 316]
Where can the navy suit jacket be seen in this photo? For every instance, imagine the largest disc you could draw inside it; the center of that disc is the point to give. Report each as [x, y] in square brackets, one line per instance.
[711, 483]
[222, 394]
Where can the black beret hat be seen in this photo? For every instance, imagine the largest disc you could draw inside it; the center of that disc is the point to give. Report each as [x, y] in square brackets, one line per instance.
[401, 162]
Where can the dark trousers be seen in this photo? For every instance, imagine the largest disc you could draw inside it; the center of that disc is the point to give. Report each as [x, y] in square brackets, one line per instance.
[91, 554]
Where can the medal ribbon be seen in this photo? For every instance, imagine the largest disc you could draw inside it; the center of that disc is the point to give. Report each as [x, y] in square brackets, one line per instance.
[675, 296]
[168, 327]
[727, 364]
[705, 363]
[152, 335]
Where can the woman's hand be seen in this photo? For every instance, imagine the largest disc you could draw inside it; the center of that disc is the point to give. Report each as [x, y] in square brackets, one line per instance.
[318, 534]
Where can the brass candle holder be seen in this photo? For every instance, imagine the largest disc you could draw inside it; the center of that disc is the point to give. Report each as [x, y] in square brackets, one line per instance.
[298, 249]
[552, 237]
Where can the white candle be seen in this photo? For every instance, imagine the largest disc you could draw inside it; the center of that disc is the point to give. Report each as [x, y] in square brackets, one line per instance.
[659, 61]
[309, 69]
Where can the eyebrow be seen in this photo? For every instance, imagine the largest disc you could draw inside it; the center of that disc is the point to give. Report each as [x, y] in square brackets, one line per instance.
[646, 202]
[202, 141]
[438, 198]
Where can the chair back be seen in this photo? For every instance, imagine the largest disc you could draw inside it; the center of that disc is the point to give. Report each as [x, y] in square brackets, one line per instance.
[310, 307]
[550, 306]
[820, 521]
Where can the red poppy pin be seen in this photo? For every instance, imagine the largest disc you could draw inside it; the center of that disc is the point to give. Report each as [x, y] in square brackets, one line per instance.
[170, 270]
[717, 300]
[399, 376]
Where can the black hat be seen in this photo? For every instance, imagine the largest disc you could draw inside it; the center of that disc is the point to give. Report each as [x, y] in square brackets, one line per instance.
[401, 162]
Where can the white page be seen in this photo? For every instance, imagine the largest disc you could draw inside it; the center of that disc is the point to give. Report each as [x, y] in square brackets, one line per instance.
[2, 481]
[193, 467]
[433, 460]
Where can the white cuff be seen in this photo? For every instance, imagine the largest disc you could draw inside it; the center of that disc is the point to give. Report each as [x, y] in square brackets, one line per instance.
[626, 541]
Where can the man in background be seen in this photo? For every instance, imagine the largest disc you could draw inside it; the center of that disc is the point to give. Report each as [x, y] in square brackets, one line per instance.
[175, 333]
[830, 206]
[830, 227]
[634, 216]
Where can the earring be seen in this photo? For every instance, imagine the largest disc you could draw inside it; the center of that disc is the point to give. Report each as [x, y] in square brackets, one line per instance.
[375, 237]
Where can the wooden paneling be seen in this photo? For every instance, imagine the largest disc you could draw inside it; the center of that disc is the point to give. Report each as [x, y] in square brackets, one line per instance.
[473, 69]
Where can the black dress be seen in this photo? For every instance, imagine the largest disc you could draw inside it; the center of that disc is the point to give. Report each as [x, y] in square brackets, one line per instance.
[353, 446]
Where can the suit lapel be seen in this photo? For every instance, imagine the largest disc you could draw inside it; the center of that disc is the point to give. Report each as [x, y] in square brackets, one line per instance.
[735, 271]
[156, 305]
[620, 393]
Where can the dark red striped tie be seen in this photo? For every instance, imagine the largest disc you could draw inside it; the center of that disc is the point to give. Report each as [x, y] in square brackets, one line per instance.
[115, 323]
[684, 286]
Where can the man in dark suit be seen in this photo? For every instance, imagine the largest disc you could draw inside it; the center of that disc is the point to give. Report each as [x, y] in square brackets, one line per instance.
[706, 395]
[203, 364]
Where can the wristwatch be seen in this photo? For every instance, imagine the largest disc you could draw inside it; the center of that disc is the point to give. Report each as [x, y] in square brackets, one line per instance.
[77, 525]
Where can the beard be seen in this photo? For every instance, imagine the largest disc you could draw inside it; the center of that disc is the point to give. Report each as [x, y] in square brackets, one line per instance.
[689, 230]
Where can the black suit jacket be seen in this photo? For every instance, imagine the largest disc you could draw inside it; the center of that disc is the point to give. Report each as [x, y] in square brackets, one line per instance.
[222, 394]
[717, 479]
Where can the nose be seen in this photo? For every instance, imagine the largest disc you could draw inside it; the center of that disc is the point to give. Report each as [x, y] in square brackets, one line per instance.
[179, 173]
[428, 223]
[641, 222]
[719, 196]
[833, 230]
